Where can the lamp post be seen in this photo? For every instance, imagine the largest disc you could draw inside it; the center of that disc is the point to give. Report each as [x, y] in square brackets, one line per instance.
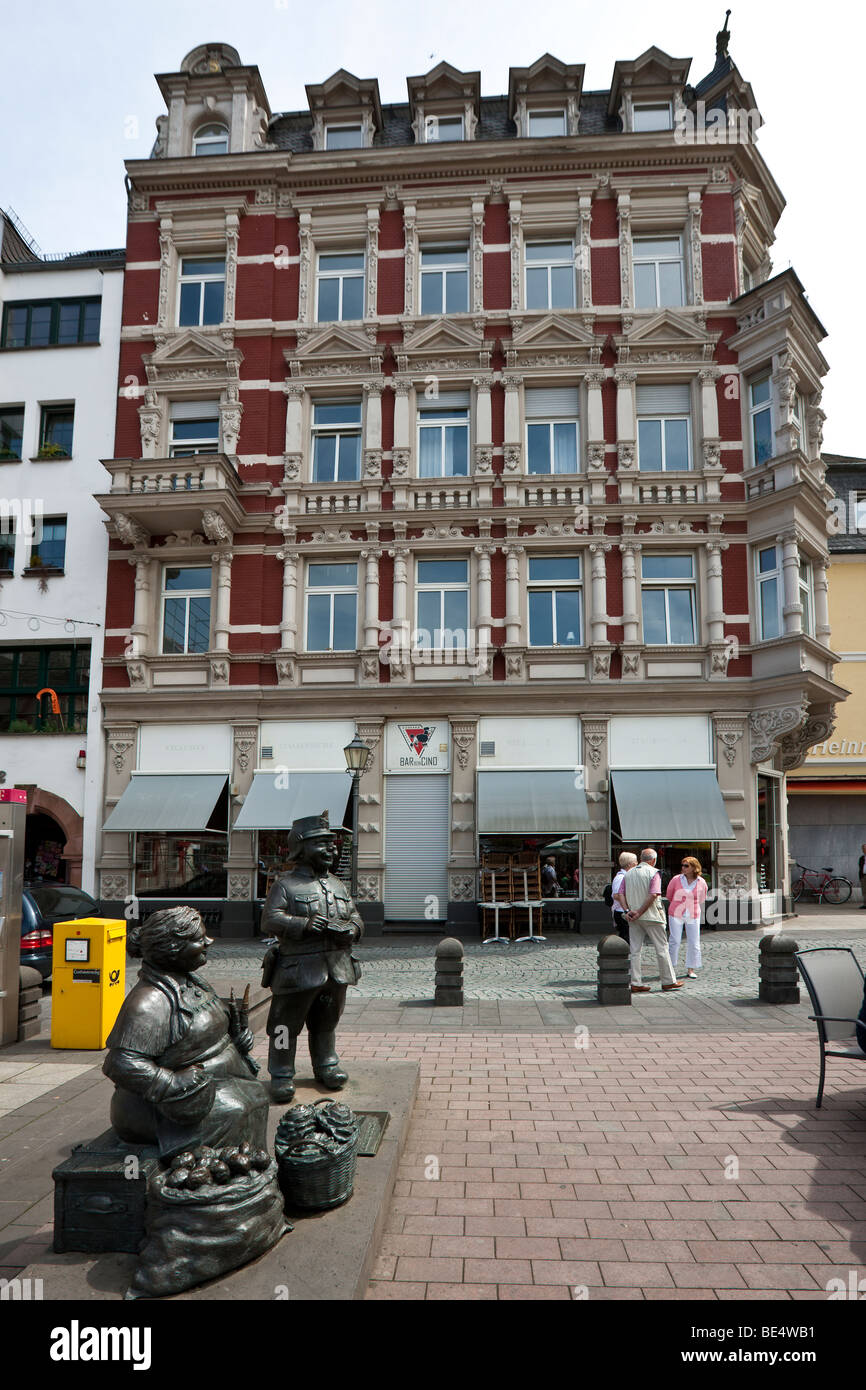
[356, 753]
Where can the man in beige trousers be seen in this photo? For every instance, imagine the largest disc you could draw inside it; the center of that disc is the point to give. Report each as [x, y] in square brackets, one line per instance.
[640, 897]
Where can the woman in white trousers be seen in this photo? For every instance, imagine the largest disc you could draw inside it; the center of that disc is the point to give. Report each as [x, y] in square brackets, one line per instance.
[686, 895]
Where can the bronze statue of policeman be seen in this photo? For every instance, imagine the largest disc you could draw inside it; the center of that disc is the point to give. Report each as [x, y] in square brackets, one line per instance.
[316, 922]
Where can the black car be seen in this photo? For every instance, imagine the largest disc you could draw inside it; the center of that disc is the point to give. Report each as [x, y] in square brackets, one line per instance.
[42, 905]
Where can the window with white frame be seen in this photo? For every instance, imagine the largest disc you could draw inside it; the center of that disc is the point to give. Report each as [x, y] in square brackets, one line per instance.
[668, 600]
[761, 419]
[201, 295]
[550, 278]
[444, 279]
[332, 607]
[344, 137]
[336, 432]
[340, 286]
[659, 278]
[858, 519]
[186, 605]
[552, 429]
[195, 428]
[807, 597]
[768, 582]
[541, 123]
[663, 428]
[652, 115]
[441, 128]
[554, 601]
[441, 603]
[443, 436]
[210, 139]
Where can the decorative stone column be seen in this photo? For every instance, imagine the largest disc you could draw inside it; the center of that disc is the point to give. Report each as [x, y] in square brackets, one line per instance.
[822, 609]
[792, 610]
[483, 475]
[166, 248]
[483, 606]
[142, 611]
[401, 627]
[372, 265]
[242, 861]
[715, 615]
[410, 260]
[598, 621]
[402, 451]
[583, 250]
[626, 434]
[115, 863]
[513, 620]
[371, 839]
[631, 610]
[370, 654]
[462, 863]
[697, 258]
[595, 446]
[232, 233]
[293, 458]
[626, 270]
[478, 256]
[372, 474]
[515, 213]
[286, 658]
[711, 449]
[222, 561]
[512, 448]
[596, 852]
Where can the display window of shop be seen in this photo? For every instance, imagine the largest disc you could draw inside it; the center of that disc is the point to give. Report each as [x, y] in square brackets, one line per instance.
[186, 605]
[670, 857]
[767, 853]
[555, 597]
[185, 864]
[442, 603]
[669, 603]
[24, 671]
[332, 608]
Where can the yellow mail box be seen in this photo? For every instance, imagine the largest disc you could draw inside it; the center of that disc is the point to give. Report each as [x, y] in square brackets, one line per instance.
[88, 980]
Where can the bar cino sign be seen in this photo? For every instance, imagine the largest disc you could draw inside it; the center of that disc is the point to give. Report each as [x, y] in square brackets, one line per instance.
[418, 745]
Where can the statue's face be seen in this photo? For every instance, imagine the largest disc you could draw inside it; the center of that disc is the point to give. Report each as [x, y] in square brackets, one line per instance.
[193, 953]
[319, 852]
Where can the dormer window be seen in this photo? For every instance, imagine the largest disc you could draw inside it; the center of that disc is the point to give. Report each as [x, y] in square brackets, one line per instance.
[211, 139]
[546, 123]
[344, 137]
[652, 116]
[438, 129]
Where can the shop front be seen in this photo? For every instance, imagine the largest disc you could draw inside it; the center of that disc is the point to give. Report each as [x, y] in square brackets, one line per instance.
[417, 805]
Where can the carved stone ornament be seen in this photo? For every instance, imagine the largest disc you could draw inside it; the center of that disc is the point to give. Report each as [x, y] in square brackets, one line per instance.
[601, 663]
[463, 736]
[246, 742]
[769, 726]
[219, 672]
[129, 531]
[120, 741]
[794, 747]
[729, 732]
[368, 888]
[137, 673]
[594, 886]
[595, 457]
[461, 888]
[114, 887]
[240, 888]
[625, 456]
[286, 669]
[214, 527]
[594, 739]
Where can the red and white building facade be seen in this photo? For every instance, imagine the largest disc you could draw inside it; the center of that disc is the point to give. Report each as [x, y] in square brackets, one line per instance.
[479, 425]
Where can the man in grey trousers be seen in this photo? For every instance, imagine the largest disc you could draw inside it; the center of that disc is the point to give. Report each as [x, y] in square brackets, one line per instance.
[640, 897]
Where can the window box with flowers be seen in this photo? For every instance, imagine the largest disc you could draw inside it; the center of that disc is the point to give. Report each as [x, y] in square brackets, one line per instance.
[51, 451]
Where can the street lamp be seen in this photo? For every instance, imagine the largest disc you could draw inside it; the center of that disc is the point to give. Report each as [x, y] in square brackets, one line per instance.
[356, 754]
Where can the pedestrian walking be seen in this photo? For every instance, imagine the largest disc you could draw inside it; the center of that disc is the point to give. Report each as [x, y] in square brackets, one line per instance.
[640, 897]
[687, 892]
[861, 870]
[549, 882]
[627, 861]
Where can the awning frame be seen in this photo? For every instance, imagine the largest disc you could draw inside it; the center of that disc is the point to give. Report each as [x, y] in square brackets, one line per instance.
[710, 768]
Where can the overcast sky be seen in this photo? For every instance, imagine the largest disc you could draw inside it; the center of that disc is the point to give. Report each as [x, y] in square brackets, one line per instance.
[78, 98]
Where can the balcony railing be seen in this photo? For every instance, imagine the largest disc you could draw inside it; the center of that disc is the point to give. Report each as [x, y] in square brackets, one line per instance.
[669, 493]
[329, 503]
[426, 498]
[553, 495]
[190, 481]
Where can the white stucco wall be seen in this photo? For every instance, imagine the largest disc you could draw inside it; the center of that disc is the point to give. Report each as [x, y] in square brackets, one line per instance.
[87, 375]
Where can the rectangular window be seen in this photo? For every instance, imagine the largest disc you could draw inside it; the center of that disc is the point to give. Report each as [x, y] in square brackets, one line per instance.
[663, 428]
[658, 272]
[440, 128]
[442, 604]
[11, 431]
[337, 442]
[555, 601]
[552, 429]
[653, 116]
[668, 595]
[50, 322]
[190, 865]
[50, 551]
[444, 279]
[547, 123]
[340, 292]
[202, 291]
[7, 544]
[807, 598]
[186, 599]
[344, 137]
[858, 519]
[55, 430]
[332, 608]
[550, 280]
[768, 579]
[24, 671]
[443, 436]
[761, 420]
[195, 428]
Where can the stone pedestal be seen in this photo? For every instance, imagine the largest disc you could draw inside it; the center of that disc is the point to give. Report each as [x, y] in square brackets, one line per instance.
[614, 980]
[778, 971]
[449, 972]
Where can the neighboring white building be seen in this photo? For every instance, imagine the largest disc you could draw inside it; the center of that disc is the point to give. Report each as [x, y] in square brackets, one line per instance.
[59, 344]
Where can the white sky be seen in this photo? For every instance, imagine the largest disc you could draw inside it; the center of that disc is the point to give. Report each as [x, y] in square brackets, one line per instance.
[78, 75]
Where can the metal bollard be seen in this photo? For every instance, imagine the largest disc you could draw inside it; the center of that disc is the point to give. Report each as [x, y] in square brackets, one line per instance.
[449, 971]
[614, 979]
[778, 971]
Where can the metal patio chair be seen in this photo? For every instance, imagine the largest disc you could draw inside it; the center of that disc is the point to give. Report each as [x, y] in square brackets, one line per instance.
[834, 980]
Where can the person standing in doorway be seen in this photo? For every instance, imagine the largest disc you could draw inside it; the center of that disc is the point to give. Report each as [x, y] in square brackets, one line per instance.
[627, 861]
[861, 870]
[640, 897]
[686, 895]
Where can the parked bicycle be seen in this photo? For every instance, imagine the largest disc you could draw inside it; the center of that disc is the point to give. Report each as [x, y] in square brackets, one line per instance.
[821, 884]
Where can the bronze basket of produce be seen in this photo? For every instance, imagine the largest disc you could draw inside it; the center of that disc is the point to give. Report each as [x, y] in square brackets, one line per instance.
[317, 1164]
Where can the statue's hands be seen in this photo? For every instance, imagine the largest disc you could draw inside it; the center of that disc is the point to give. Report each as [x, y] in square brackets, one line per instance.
[317, 924]
[185, 1081]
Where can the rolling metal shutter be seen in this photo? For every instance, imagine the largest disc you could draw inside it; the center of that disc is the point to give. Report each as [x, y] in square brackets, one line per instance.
[417, 814]
[551, 403]
[663, 400]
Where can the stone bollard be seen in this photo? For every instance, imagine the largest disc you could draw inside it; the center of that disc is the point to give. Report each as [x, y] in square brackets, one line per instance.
[779, 980]
[29, 1002]
[449, 971]
[614, 978]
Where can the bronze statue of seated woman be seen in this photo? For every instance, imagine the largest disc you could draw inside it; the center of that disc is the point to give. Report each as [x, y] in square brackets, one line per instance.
[178, 1056]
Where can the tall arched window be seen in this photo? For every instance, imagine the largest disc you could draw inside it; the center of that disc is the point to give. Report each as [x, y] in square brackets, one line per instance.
[211, 139]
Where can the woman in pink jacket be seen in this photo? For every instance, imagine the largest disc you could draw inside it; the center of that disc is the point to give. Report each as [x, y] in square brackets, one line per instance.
[686, 894]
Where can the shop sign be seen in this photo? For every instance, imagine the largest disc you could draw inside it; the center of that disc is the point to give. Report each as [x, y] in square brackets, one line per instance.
[418, 745]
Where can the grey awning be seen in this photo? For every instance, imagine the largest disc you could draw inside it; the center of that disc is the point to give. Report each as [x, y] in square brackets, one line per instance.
[277, 798]
[684, 805]
[167, 801]
[531, 803]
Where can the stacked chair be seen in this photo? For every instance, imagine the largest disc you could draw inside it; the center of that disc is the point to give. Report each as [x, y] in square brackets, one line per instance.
[510, 900]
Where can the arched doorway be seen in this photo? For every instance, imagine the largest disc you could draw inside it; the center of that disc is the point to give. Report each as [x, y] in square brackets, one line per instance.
[52, 821]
